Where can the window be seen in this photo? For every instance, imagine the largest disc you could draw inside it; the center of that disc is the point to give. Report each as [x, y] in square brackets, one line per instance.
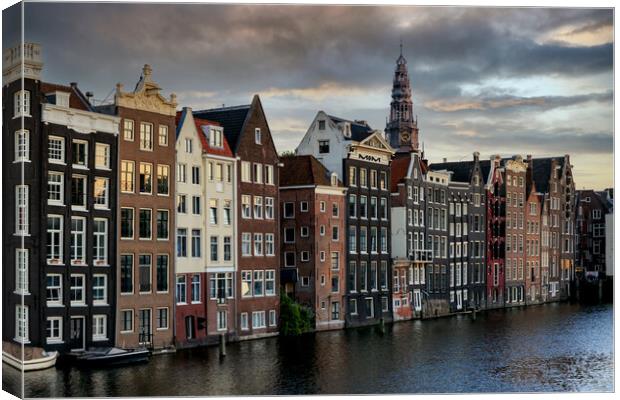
[126, 223]
[181, 173]
[146, 136]
[257, 136]
[78, 240]
[21, 323]
[127, 176]
[363, 207]
[100, 289]
[269, 175]
[258, 244]
[195, 289]
[270, 282]
[227, 212]
[126, 273]
[352, 239]
[384, 208]
[246, 244]
[196, 241]
[373, 208]
[54, 330]
[144, 265]
[289, 235]
[21, 102]
[323, 146]
[182, 242]
[289, 258]
[227, 248]
[101, 192]
[363, 172]
[335, 233]
[289, 210]
[181, 292]
[102, 156]
[54, 289]
[244, 321]
[258, 207]
[373, 178]
[246, 171]
[162, 224]
[322, 206]
[128, 130]
[163, 179]
[55, 188]
[182, 204]
[352, 176]
[162, 273]
[196, 175]
[258, 319]
[162, 318]
[213, 246]
[322, 125]
[258, 283]
[305, 255]
[352, 206]
[353, 306]
[126, 321]
[246, 207]
[99, 327]
[370, 307]
[56, 149]
[80, 153]
[146, 177]
[258, 173]
[78, 191]
[246, 283]
[21, 273]
[145, 223]
[335, 260]
[196, 205]
[272, 318]
[22, 145]
[77, 290]
[215, 138]
[269, 244]
[163, 135]
[100, 233]
[305, 231]
[269, 208]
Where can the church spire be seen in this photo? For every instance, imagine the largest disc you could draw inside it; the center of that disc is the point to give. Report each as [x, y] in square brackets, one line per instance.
[402, 127]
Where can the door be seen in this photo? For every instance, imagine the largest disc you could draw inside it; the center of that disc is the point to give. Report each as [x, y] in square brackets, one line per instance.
[190, 327]
[459, 300]
[76, 338]
[144, 328]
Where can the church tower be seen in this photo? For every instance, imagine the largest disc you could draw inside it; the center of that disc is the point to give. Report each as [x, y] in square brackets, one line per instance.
[402, 128]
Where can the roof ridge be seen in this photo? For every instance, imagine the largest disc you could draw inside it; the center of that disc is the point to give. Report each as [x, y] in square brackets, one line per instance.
[229, 108]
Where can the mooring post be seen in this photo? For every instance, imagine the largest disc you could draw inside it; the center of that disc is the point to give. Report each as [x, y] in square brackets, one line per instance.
[473, 314]
[222, 345]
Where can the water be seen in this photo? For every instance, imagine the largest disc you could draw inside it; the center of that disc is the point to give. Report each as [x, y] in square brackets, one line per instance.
[555, 347]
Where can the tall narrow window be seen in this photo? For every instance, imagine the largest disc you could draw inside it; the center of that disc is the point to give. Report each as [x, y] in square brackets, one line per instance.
[78, 191]
[22, 145]
[100, 233]
[162, 224]
[146, 177]
[21, 323]
[195, 289]
[144, 261]
[146, 136]
[213, 248]
[182, 242]
[127, 176]
[21, 269]
[163, 135]
[78, 240]
[196, 241]
[127, 222]
[227, 248]
[128, 130]
[22, 209]
[54, 239]
[102, 156]
[145, 223]
[126, 273]
[21, 102]
[55, 188]
[80, 153]
[163, 179]
[181, 291]
[56, 149]
[54, 289]
[76, 293]
[162, 273]
[100, 289]
[101, 192]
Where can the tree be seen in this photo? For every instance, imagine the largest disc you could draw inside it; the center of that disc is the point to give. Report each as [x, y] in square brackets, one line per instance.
[295, 319]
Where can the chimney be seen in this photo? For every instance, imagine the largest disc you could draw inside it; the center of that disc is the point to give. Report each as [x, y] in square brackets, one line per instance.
[476, 156]
[445, 160]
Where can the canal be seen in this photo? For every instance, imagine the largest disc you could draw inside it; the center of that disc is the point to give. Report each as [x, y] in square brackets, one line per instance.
[554, 347]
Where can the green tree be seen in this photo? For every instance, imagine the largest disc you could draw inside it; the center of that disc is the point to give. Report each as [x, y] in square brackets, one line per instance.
[294, 318]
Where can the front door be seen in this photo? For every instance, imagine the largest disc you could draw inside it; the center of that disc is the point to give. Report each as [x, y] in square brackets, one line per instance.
[76, 338]
[459, 299]
[144, 329]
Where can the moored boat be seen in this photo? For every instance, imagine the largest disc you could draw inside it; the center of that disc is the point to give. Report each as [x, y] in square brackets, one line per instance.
[112, 356]
[47, 360]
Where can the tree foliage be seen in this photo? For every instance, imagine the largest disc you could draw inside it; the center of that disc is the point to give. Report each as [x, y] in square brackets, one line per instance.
[295, 319]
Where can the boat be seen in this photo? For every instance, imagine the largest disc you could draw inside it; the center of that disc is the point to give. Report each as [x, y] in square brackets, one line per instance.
[47, 360]
[112, 356]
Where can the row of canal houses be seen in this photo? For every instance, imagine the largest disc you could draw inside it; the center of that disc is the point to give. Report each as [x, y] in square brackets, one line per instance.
[135, 223]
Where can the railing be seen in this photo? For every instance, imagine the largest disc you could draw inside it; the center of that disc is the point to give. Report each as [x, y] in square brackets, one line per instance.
[146, 339]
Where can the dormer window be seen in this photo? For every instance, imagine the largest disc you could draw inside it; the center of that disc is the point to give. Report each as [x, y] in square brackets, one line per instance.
[322, 125]
[257, 136]
[215, 138]
[334, 179]
[62, 99]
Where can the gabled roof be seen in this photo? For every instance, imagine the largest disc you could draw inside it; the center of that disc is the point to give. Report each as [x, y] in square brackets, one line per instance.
[232, 119]
[359, 130]
[304, 170]
[77, 99]
[398, 170]
[542, 172]
[202, 134]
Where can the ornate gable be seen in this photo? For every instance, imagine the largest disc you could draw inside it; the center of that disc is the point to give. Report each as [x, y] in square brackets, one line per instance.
[146, 96]
[376, 141]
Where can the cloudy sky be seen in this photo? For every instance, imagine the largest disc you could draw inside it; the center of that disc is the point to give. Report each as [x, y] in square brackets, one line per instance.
[529, 81]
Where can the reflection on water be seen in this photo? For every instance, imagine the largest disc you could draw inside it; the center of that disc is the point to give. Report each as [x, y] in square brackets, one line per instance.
[556, 347]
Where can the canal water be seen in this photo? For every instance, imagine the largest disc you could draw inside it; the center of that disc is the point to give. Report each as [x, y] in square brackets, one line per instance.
[554, 347]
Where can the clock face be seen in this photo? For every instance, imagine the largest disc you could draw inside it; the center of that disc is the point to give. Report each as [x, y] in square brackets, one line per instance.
[404, 137]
